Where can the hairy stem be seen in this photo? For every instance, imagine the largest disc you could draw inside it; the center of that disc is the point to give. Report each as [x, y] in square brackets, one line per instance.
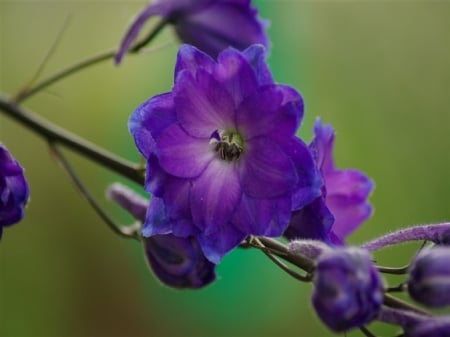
[55, 134]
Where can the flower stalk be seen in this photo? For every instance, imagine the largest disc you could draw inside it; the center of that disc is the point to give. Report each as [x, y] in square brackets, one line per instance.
[55, 134]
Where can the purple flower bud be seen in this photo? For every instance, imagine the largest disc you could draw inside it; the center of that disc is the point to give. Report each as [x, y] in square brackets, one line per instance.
[210, 25]
[14, 190]
[177, 261]
[432, 327]
[348, 290]
[429, 277]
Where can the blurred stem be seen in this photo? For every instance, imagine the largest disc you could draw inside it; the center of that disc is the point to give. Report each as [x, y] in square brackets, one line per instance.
[27, 92]
[55, 134]
[123, 232]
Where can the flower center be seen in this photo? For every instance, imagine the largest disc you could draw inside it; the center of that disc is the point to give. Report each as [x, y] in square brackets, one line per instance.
[229, 145]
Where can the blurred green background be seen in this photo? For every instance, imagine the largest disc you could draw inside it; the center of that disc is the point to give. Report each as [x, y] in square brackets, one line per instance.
[379, 71]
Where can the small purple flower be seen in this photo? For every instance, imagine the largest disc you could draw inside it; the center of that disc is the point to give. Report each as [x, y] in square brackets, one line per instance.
[348, 290]
[343, 204]
[222, 152]
[209, 25]
[429, 277]
[177, 261]
[14, 190]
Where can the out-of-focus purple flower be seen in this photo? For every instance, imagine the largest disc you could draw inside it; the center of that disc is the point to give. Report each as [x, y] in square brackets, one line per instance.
[348, 290]
[431, 327]
[209, 25]
[222, 152]
[14, 190]
[343, 204]
[429, 277]
[177, 261]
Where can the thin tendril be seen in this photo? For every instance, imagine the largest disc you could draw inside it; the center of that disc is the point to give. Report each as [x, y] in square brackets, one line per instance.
[107, 55]
[123, 232]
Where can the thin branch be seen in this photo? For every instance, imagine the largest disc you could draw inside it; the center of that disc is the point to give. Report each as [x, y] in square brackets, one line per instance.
[366, 332]
[104, 56]
[123, 232]
[255, 242]
[394, 302]
[56, 134]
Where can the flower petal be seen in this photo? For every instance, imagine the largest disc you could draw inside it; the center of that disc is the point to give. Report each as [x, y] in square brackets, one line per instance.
[266, 170]
[313, 221]
[221, 25]
[214, 195]
[157, 8]
[349, 215]
[322, 146]
[149, 119]
[271, 110]
[235, 73]
[216, 244]
[265, 217]
[256, 56]
[156, 220]
[352, 184]
[203, 104]
[182, 155]
[190, 59]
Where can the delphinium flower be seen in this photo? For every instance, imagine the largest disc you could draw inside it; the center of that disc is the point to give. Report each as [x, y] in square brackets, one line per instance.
[342, 205]
[210, 25]
[222, 152]
[176, 261]
[14, 190]
[429, 277]
[348, 290]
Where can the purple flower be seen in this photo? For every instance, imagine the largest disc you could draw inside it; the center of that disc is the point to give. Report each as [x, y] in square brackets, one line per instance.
[177, 262]
[348, 290]
[13, 190]
[429, 277]
[221, 151]
[343, 204]
[210, 25]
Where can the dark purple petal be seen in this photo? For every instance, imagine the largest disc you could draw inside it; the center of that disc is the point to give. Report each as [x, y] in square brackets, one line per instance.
[256, 56]
[156, 8]
[221, 25]
[203, 104]
[14, 191]
[313, 221]
[266, 170]
[234, 72]
[149, 120]
[182, 155]
[178, 262]
[264, 217]
[215, 195]
[156, 221]
[216, 244]
[191, 59]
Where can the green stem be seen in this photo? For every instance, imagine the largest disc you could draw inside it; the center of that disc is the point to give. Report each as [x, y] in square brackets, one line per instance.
[56, 134]
[107, 55]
